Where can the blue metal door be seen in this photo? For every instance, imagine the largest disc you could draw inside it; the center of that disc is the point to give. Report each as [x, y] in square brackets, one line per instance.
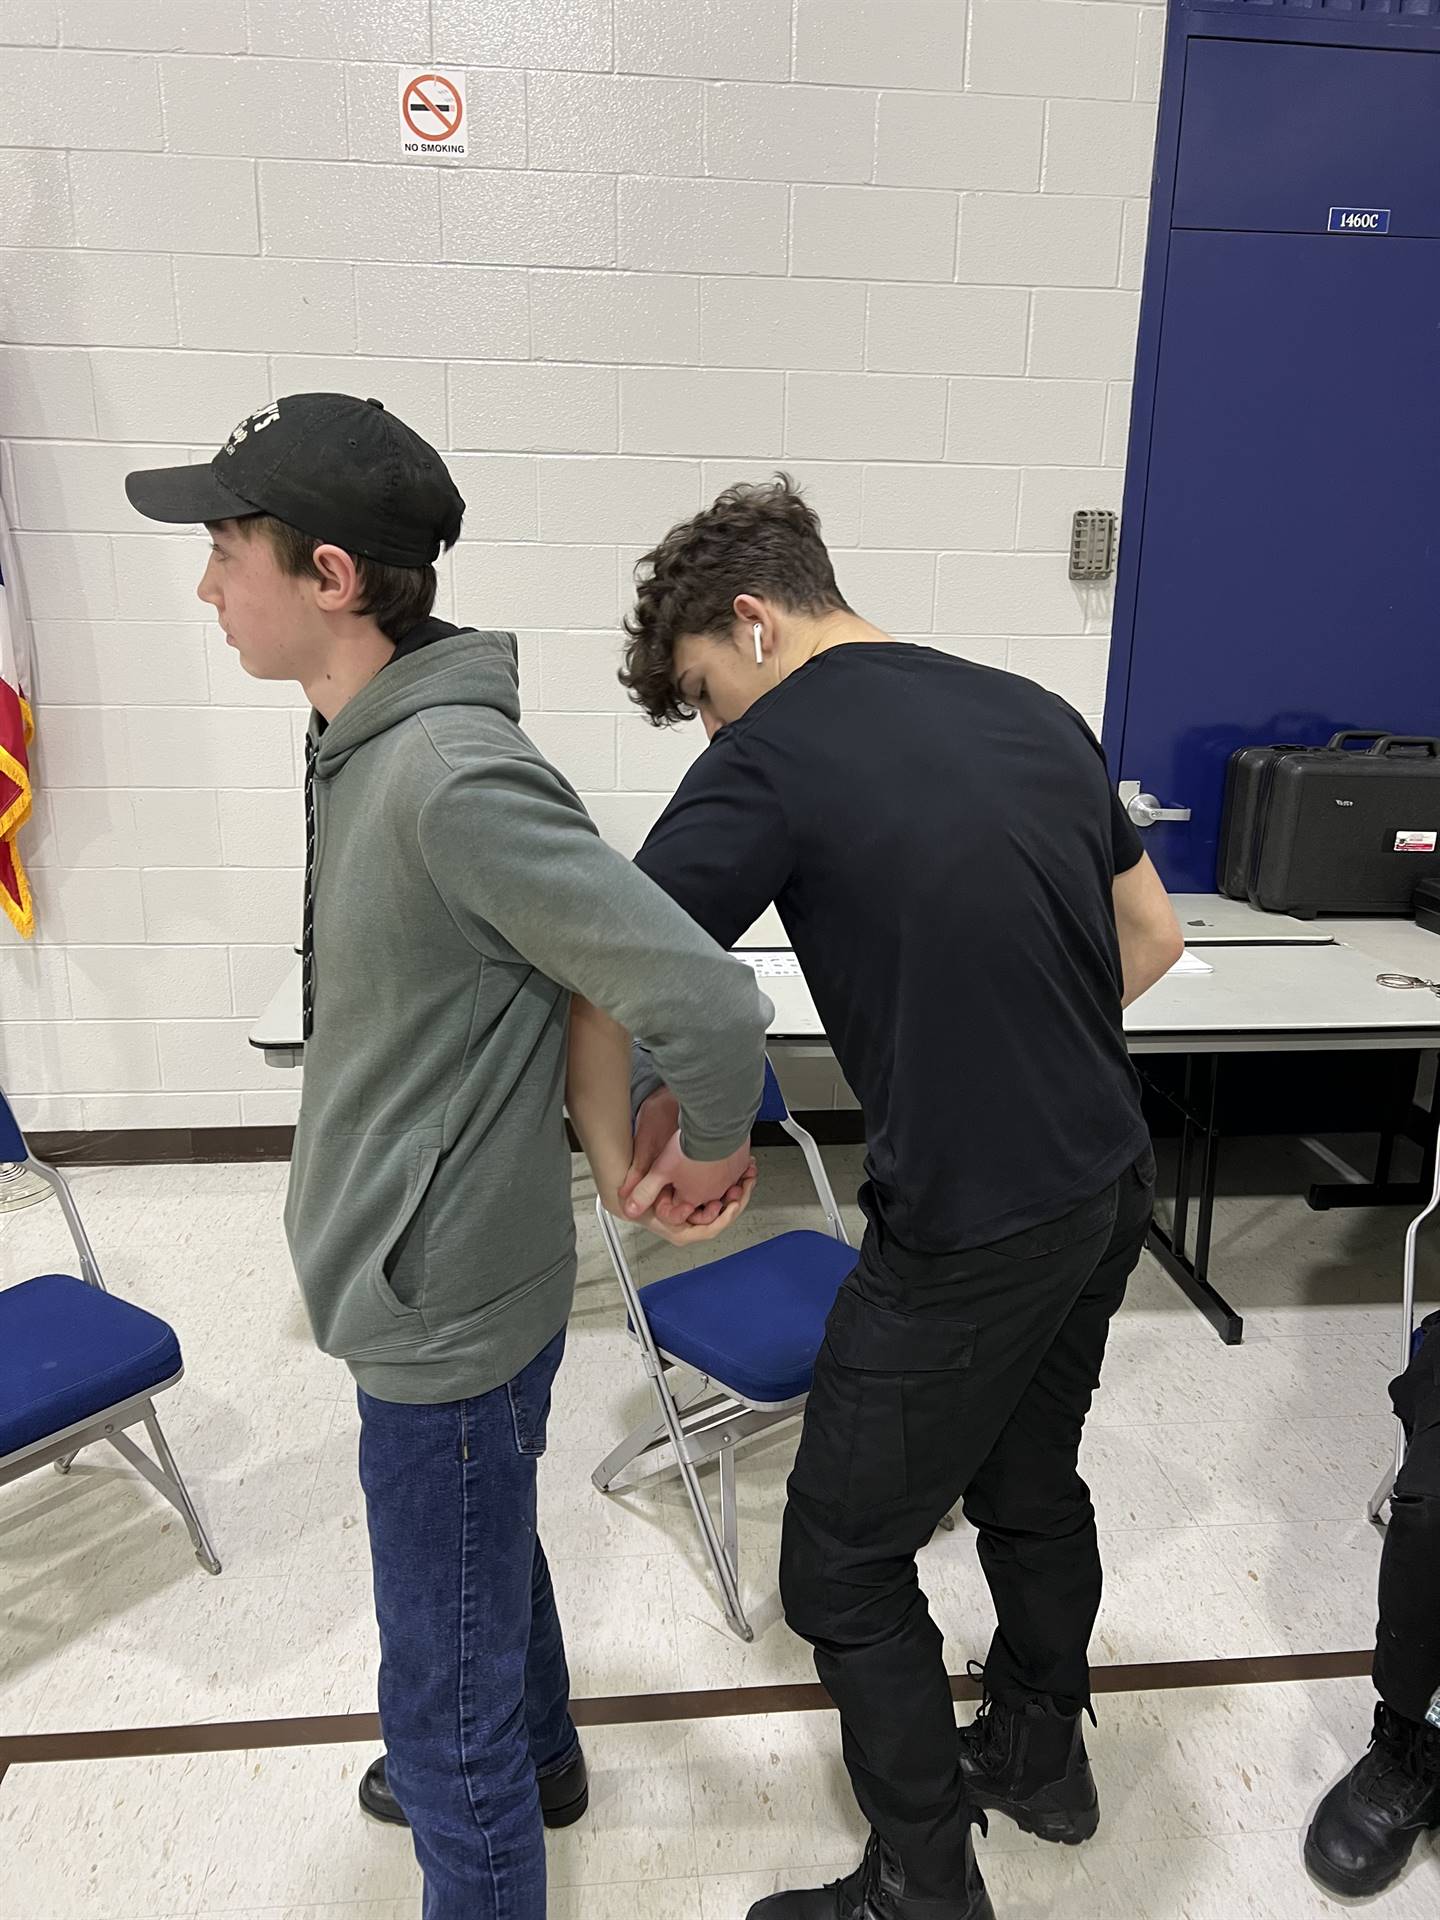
[1280, 568]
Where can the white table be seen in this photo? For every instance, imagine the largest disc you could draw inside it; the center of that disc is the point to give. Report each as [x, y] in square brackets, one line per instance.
[1282, 979]
[1276, 985]
[1209, 919]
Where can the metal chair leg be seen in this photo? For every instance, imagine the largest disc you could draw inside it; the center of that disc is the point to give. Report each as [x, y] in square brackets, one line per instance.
[730, 1512]
[641, 1441]
[715, 1553]
[199, 1538]
[166, 1478]
[720, 1564]
[672, 1424]
[65, 1462]
[1380, 1499]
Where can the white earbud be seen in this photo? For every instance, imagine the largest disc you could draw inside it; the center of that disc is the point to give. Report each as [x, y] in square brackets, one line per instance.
[759, 633]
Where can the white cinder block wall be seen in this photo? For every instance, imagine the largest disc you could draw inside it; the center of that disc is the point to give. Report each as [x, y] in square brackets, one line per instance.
[895, 244]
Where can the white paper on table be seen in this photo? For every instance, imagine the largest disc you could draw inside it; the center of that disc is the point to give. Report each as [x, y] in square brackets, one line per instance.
[776, 963]
[772, 963]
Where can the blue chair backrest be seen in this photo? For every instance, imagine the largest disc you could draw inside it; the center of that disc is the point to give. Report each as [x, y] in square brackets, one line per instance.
[12, 1142]
[772, 1101]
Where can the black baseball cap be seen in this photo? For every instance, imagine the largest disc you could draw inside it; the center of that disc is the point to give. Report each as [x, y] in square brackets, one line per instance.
[341, 469]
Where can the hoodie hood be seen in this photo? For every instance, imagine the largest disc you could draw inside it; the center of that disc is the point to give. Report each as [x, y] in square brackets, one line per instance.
[457, 667]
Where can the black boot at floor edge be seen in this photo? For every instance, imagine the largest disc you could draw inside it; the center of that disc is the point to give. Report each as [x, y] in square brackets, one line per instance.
[1030, 1764]
[877, 1890]
[564, 1796]
[1366, 1826]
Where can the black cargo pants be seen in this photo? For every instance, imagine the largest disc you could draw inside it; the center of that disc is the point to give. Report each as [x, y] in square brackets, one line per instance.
[945, 1377]
[1407, 1655]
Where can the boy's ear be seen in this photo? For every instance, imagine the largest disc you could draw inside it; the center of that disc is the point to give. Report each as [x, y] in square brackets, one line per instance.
[339, 577]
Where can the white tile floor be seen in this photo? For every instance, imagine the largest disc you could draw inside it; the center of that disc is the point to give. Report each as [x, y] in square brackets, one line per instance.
[1205, 1794]
[1230, 1485]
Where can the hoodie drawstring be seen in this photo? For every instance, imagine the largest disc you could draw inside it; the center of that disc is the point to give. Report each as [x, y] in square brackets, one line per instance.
[307, 922]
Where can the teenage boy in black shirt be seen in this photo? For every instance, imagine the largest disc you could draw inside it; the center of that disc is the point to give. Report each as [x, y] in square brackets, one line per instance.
[971, 908]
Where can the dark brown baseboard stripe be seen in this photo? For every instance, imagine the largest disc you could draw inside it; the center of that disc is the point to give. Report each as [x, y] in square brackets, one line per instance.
[335, 1729]
[162, 1146]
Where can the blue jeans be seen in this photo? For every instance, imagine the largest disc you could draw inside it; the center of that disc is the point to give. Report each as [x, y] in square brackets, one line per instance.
[474, 1691]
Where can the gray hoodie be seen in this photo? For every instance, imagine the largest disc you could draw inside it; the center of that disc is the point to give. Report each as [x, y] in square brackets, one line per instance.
[460, 893]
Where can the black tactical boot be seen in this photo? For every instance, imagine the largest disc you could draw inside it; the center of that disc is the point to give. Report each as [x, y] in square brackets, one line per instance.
[564, 1796]
[1365, 1826]
[1029, 1763]
[877, 1890]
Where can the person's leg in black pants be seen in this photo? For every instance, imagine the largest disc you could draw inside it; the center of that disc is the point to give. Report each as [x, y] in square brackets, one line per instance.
[1366, 1826]
[1038, 1544]
[925, 1361]
[1407, 1654]
[1024, 1756]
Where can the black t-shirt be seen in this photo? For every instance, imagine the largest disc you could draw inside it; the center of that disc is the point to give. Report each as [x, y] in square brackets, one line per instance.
[941, 841]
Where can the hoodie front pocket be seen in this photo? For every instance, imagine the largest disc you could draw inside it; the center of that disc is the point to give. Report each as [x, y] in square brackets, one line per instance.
[427, 1159]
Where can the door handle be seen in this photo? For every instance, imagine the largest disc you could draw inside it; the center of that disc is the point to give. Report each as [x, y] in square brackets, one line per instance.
[1146, 811]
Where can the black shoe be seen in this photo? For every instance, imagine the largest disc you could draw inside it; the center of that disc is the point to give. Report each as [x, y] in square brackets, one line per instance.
[877, 1890]
[1030, 1764]
[1366, 1825]
[564, 1796]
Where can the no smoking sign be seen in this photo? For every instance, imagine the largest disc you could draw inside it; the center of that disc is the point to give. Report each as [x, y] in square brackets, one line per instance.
[432, 113]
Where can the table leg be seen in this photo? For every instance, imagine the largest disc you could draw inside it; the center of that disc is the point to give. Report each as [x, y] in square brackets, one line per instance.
[1198, 1115]
[1416, 1123]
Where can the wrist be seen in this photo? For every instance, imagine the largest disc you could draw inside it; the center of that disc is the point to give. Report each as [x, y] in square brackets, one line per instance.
[712, 1148]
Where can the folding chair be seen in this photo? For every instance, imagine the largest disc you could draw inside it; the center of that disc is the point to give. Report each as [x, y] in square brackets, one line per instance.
[77, 1365]
[1409, 1338]
[750, 1325]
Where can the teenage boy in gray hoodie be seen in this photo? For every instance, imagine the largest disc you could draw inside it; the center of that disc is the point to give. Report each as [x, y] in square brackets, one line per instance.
[456, 896]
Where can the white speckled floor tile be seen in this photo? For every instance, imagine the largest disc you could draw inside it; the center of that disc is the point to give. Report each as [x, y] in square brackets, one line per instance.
[771, 1793]
[1205, 1794]
[622, 1623]
[1168, 1596]
[627, 1900]
[578, 1520]
[1313, 1583]
[1348, 1709]
[1227, 1473]
[348, 1910]
[1146, 1383]
[317, 1847]
[1206, 1760]
[640, 1825]
[325, 1654]
[1128, 1485]
[163, 1654]
[1356, 1449]
[111, 1840]
[333, 1531]
[712, 1656]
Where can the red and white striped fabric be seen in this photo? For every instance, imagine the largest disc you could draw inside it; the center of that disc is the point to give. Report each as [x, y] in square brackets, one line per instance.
[17, 730]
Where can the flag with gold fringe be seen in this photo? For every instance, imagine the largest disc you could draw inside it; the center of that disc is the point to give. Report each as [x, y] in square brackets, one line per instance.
[17, 730]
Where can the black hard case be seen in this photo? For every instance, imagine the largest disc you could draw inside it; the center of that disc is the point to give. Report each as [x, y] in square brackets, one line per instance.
[1246, 782]
[1333, 824]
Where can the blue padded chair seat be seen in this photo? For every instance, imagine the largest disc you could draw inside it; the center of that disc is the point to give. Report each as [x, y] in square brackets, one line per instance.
[68, 1351]
[753, 1320]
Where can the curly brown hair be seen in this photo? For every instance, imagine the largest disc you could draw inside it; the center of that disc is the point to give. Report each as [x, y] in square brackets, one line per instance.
[760, 539]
